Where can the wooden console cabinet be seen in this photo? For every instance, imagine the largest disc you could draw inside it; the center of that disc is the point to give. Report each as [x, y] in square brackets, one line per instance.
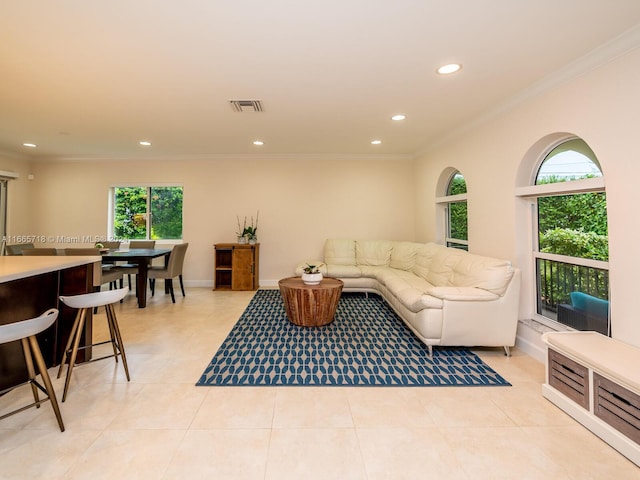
[236, 266]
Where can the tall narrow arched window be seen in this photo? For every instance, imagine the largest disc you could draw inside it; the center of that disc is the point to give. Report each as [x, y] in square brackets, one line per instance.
[571, 250]
[454, 202]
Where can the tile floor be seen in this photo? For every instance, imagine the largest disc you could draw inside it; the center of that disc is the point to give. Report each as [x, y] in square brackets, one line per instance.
[160, 426]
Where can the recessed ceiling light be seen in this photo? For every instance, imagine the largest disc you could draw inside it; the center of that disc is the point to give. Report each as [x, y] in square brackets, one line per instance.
[398, 117]
[450, 68]
[30, 145]
[376, 142]
[258, 142]
[145, 144]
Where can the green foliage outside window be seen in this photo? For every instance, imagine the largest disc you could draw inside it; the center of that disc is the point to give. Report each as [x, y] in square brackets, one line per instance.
[458, 226]
[166, 213]
[457, 185]
[458, 220]
[130, 213]
[575, 243]
[574, 225]
[131, 217]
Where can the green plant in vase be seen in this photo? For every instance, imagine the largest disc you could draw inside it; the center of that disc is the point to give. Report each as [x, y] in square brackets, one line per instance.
[312, 268]
[248, 233]
[311, 274]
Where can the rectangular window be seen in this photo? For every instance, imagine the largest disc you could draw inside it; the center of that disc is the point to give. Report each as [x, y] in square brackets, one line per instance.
[457, 228]
[572, 270]
[147, 213]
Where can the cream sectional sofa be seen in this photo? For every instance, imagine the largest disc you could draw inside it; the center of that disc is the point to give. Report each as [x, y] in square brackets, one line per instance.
[446, 296]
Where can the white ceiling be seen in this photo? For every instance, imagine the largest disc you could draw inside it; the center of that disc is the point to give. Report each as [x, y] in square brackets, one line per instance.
[91, 78]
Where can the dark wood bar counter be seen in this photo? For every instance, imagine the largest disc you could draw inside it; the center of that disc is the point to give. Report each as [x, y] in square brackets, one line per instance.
[28, 287]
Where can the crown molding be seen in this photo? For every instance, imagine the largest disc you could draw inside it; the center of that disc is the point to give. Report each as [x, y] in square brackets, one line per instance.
[230, 156]
[600, 56]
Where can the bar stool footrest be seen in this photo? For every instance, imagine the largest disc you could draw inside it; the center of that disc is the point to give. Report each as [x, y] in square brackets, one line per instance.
[26, 407]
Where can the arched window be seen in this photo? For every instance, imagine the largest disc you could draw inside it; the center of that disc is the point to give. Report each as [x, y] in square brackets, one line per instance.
[454, 203]
[571, 160]
[570, 248]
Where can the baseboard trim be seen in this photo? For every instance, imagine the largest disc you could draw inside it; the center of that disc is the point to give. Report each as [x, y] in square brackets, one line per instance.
[531, 349]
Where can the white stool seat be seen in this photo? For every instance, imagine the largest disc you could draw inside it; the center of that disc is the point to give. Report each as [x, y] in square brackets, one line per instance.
[26, 331]
[95, 299]
[26, 328]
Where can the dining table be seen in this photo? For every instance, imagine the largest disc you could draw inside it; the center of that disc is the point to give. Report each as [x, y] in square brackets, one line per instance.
[142, 257]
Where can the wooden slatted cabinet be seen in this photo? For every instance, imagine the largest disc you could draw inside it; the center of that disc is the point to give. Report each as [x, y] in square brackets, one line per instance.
[595, 379]
[236, 266]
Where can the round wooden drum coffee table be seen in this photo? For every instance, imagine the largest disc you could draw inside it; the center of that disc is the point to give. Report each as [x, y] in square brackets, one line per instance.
[310, 305]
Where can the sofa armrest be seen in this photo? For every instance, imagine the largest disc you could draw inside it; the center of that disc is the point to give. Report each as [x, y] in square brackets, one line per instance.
[462, 294]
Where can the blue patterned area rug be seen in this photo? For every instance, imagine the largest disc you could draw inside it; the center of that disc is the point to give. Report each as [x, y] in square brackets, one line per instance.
[367, 344]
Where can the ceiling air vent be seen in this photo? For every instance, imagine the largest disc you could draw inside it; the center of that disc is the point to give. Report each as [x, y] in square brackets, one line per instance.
[246, 105]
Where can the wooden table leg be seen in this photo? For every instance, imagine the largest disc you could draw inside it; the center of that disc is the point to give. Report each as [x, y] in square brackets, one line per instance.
[143, 268]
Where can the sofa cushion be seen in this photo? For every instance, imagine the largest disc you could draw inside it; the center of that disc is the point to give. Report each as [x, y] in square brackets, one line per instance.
[395, 283]
[340, 252]
[343, 271]
[462, 294]
[488, 273]
[403, 255]
[413, 281]
[424, 255]
[397, 280]
[415, 300]
[384, 275]
[376, 253]
[441, 268]
[371, 272]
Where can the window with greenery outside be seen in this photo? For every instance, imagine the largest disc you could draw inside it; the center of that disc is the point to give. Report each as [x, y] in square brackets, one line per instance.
[457, 227]
[148, 213]
[572, 225]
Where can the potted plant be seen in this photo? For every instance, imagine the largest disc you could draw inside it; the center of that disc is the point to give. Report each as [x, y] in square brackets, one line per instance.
[251, 233]
[248, 233]
[311, 274]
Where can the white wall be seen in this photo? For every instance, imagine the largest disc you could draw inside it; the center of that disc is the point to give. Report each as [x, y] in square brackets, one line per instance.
[301, 203]
[601, 107]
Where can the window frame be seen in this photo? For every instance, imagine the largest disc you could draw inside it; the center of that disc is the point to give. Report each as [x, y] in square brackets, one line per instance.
[530, 194]
[444, 202]
[148, 186]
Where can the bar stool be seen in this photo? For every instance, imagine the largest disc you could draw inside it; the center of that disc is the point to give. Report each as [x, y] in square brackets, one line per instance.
[26, 331]
[85, 303]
